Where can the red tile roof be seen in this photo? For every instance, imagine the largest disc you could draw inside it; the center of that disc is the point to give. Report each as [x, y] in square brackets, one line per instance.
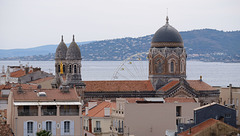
[200, 85]
[41, 80]
[5, 130]
[16, 85]
[98, 111]
[169, 85]
[141, 85]
[133, 100]
[30, 95]
[18, 73]
[179, 99]
[202, 126]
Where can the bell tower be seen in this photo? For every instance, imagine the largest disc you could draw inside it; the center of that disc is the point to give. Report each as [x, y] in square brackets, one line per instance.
[167, 56]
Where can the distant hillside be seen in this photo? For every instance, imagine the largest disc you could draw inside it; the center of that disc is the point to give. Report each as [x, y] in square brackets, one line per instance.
[204, 45]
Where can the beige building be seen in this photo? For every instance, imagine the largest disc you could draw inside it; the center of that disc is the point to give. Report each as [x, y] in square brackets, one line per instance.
[97, 118]
[157, 117]
[230, 96]
[58, 111]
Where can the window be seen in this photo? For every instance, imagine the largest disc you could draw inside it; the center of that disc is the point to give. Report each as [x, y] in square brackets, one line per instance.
[70, 68]
[66, 126]
[178, 111]
[58, 68]
[227, 115]
[172, 67]
[75, 68]
[98, 124]
[182, 66]
[29, 127]
[63, 68]
[49, 126]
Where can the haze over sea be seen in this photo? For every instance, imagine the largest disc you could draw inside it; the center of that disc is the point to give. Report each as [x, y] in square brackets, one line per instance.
[214, 73]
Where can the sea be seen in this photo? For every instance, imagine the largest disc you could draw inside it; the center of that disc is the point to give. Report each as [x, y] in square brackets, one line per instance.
[213, 73]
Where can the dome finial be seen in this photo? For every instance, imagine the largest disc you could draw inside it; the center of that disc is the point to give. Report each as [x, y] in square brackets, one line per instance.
[167, 20]
[73, 39]
[62, 38]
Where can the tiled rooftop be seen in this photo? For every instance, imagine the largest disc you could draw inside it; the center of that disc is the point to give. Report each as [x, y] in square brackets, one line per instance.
[5, 130]
[51, 95]
[142, 85]
[41, 80]
[200, 85]
[169, 85]
[98, 111]
[202, 126]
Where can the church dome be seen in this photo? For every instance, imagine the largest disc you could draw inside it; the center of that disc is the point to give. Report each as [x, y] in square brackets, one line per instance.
[61, 51]
[167, 36]
[73, 52]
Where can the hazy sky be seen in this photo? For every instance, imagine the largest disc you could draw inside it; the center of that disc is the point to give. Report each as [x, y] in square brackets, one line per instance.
[30, 23]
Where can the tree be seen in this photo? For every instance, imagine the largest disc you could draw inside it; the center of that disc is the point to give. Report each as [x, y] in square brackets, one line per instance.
[44, 133]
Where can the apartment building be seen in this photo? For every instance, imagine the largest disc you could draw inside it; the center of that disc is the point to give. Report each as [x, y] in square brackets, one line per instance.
[57, 111]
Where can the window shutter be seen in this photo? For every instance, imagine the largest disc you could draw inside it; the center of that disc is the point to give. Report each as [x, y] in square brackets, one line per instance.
[54, 128]
[62, 127]
[24, 128]
[72, 127]
[34, 128]
[44, 125]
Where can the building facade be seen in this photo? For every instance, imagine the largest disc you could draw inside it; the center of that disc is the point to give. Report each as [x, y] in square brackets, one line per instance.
[57, 111]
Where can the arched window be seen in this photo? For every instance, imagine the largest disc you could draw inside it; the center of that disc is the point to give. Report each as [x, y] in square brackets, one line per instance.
[49, 126]
[70, 68]
[63, 68]
[158, 65]
[182, 66]
[29, 127]
[172, 67]
[58, 67]
[75, 68]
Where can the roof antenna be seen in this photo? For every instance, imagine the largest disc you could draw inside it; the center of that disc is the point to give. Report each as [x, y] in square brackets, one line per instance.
[167, 17]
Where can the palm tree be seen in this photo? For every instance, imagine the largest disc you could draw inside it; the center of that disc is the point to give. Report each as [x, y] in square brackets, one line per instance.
[44, 133]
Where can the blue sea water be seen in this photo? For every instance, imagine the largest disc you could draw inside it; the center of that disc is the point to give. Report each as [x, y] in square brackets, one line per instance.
[214, 73]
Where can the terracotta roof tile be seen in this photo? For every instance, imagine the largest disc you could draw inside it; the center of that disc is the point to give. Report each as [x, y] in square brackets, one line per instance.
[5, 130]
[179, 99]
[18, 73]
[41, 80]
[200, 127]
[169, 85]
[200, 85]
[30, 95]
[141, 85]
[133, 100]
[98, 111]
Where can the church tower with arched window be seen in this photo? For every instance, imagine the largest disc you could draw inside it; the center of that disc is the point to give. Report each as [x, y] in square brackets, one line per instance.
[167, 56]
[68, 66]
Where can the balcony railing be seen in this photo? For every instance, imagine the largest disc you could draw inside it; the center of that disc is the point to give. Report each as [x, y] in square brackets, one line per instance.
[120, 130]
[32, 112]
[49, 112]
[98, 130]
[69, 112]
[85, 127]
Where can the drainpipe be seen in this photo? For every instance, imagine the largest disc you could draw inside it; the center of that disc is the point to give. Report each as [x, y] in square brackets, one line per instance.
[16, 127]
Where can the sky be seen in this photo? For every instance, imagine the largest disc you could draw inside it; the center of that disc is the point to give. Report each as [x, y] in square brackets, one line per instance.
[32, 23]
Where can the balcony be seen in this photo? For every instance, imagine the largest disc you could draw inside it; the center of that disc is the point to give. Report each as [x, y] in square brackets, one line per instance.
[49, 112]
[97, 130]
[120, 130]
[69, 112]
[85, 127]
[27, 111]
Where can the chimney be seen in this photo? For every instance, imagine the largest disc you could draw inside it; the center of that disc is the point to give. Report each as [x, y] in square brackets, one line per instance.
[200, 78]
[106, 112]
[86, 110]
[91, 104]
[230, 90]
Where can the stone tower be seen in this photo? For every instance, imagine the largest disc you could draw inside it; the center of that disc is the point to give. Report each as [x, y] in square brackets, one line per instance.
[68, 66]
[167, 56]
